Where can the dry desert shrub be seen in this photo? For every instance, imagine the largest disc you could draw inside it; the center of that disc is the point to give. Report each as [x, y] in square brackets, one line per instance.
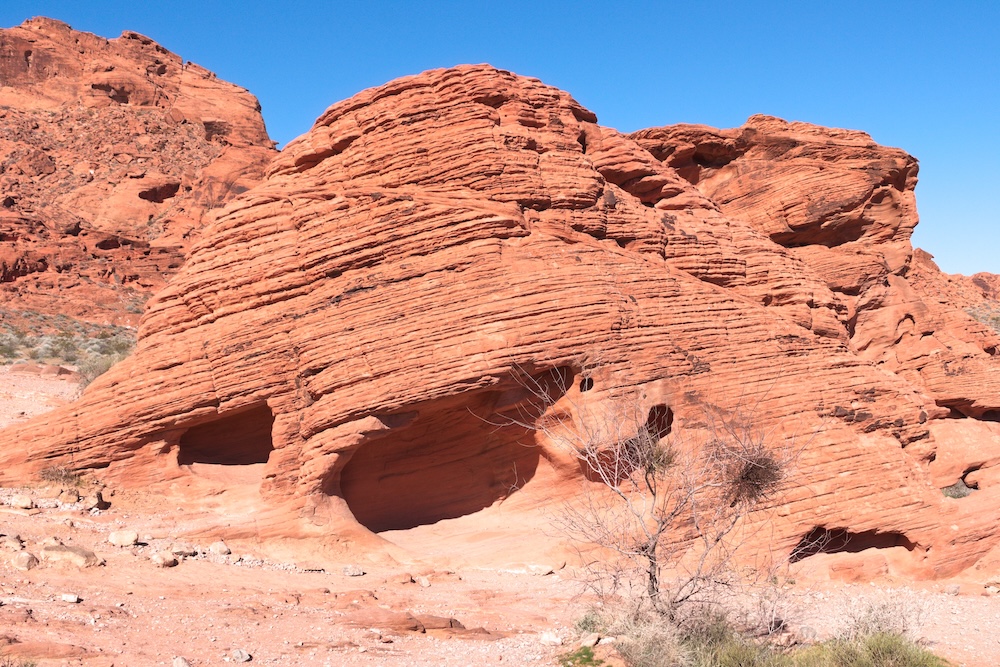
[882, 613]
[62, 476]
[669, 510]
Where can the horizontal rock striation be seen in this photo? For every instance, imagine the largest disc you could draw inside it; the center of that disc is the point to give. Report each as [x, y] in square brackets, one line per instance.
[349, 338]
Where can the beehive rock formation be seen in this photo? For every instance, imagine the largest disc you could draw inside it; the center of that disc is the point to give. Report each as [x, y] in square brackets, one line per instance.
[111, 154]
[342, 346]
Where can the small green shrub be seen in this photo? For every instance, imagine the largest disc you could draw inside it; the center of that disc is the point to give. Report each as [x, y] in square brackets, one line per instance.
[582, 657]
[875, 636]
[590, 622]
[879, 650]
[957, 490]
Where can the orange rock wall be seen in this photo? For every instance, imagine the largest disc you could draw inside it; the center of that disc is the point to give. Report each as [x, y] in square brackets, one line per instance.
[428, 240]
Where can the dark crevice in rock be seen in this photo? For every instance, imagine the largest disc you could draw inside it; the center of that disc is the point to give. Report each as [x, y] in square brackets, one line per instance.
[822, 540]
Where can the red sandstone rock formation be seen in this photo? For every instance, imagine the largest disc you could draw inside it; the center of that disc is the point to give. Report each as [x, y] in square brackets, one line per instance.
[111, 154]
[335, 357]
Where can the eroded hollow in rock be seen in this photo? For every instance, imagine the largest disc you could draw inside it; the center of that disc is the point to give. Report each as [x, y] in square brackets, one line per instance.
[234, 439]
[821, 540]
[456, 457]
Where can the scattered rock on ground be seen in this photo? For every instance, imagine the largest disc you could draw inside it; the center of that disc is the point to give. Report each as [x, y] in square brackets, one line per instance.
[183, 550]
[219, 548]
[78, 556]
[163, 559]
[23, 560]
[550, 639]
[123, 538]
[69, 496]
[239, 655]
[11, 542]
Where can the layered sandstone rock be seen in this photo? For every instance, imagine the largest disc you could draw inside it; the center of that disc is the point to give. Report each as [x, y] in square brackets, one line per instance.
[343, 351]
[111, 154]
[844, 207]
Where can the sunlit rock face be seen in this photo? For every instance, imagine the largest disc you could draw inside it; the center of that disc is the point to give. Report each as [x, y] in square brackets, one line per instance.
[112, 152]
[344, 350]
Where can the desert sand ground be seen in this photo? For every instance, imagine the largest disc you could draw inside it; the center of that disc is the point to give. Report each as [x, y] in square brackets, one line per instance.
[216, 608]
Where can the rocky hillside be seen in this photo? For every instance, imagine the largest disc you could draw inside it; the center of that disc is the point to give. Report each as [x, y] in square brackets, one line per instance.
[335, 359]
[112, 153]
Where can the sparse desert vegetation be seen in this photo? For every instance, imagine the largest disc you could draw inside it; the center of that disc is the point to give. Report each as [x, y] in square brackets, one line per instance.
[67, 340]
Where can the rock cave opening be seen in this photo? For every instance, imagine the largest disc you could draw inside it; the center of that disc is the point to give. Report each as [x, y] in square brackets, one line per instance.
[822, 540]
[458, 456]
[240, 438]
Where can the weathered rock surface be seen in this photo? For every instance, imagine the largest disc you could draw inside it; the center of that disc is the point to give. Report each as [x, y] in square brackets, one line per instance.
[844, 207]
[111, 154]
[337, 354]
[78, 556]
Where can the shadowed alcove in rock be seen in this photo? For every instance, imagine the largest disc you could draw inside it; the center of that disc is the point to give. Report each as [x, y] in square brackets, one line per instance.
[457, 456]
[233, 440]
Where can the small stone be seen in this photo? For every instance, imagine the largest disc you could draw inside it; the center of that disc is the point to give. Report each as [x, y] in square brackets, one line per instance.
[239, 655]
[541, 570]
[180, 662]
[353, 571]
[183, 550]
[22, 502]
[423, 581]
[405, 578]
[69, 496]
[590, 640]
[11, 543]
[95, 501]
[163, 559]
[953, 589]
[550, 639]
[123, 538]
[219, 548]
[49, 492]
[23, 560]
[72, 598]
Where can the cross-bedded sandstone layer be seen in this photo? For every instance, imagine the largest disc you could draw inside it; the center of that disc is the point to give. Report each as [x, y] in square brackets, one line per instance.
[339, 356]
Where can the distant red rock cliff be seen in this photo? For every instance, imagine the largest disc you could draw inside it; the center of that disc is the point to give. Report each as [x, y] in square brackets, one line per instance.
[111, 154]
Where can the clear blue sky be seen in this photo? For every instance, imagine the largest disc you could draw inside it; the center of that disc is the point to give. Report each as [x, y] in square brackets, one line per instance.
[920, 75]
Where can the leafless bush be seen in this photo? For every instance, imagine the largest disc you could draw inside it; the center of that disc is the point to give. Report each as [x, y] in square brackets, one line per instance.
[61, 475]
[669, 511]
[882, 613]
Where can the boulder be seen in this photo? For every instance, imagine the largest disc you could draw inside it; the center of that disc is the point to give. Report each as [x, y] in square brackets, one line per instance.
[21, 502]
[78, 556]
[123, 538]
[23, 560]
[163, 559]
